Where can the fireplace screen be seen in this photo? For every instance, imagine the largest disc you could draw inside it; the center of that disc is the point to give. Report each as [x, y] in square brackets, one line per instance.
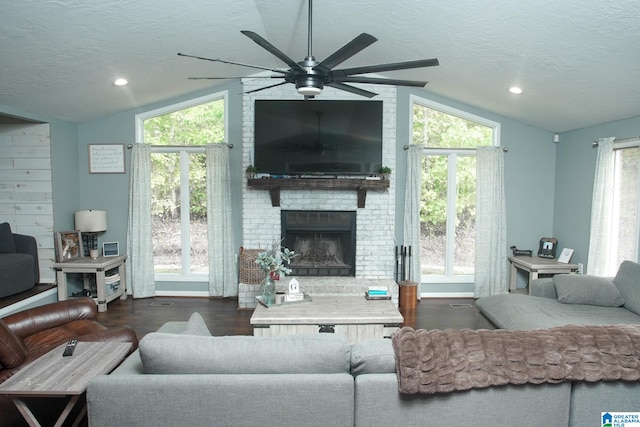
[324, 242]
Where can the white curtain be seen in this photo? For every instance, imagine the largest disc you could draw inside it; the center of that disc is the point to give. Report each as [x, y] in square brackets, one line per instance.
[598, 260]
[223, 276]
[140, 275]
[491, 228]
[412, 211]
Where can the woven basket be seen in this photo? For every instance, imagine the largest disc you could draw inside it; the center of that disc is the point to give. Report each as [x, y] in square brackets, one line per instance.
[250, 272]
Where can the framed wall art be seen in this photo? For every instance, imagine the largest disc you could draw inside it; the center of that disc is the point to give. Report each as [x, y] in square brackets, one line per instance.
[68, 245]
[106, 158]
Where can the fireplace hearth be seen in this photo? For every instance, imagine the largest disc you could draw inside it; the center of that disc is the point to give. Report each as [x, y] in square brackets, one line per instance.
[324, 242]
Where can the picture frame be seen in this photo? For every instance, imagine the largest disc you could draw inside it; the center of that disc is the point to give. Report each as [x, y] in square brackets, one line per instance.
[68, 245]
[565, 255]
[110, 249]
[106, 158]
[548, 247]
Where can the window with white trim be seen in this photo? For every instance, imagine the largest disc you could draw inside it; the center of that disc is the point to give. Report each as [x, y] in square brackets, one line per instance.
[178, 135]
[626, 188]
[449, 138]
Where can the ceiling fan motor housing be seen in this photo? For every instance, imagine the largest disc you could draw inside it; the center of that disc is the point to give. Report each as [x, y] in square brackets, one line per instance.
[310, 83]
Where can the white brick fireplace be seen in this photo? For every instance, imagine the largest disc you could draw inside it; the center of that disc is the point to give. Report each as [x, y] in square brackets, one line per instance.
[374, 259]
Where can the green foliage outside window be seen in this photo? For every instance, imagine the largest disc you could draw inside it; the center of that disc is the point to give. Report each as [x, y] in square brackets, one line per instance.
[194, 126]
[435, 129]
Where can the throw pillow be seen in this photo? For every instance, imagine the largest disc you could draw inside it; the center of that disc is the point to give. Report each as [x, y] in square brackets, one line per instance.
[196, 326]
[628, 283]
[163, 353]
[585, 289]
[12, 351]
[7, 244]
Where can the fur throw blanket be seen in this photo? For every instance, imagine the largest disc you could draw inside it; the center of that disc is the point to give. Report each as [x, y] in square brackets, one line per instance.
[440, 361]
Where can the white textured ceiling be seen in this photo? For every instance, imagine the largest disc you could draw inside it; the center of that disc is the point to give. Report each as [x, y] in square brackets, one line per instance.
[578, 61]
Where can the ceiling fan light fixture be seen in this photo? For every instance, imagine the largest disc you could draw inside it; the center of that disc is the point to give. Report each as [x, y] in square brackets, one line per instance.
[309, 86]
[309, 90]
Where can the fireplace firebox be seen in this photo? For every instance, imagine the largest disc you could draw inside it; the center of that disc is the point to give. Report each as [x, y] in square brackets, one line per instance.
[324, 242]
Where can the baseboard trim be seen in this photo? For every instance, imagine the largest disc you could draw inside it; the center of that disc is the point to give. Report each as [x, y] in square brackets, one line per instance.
[182, 294]
[18, 306]
[446, 295]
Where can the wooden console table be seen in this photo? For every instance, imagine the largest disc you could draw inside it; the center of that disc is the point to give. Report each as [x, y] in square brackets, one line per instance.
[535, 266]
[274, 185]
[98, 267]
[52, 375]
[353, 316]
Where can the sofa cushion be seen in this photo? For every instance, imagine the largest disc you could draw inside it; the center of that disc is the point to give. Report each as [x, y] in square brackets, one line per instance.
[12, 351]
[373, 357]
[585, 289]
[295, 354]
[517, 311]
[196, 326]
[627, 281]
[7, 245]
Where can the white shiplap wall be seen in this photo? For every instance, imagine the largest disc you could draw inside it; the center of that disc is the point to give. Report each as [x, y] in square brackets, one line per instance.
[26, 200]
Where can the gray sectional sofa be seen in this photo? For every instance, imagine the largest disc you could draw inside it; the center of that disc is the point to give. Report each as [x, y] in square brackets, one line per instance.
[181, 376]
[568, 299]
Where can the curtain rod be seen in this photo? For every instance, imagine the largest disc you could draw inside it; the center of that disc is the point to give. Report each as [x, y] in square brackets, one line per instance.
[406, 147]
[130, 146]
[633, 138]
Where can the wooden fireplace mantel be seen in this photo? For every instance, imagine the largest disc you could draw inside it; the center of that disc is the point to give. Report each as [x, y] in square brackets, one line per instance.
[274, 185]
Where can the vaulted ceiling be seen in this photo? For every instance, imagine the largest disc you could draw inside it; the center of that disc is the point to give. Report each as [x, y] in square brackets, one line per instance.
[577, 61]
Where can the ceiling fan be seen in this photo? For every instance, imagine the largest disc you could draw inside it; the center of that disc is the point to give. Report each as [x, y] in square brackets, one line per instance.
[310, 76]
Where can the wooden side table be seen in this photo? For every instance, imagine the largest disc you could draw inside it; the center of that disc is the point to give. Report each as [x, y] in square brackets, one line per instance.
[98, 267]
[535, 266]
[52, 375]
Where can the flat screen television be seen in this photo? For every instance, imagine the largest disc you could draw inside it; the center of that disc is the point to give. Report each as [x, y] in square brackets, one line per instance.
[318, 137]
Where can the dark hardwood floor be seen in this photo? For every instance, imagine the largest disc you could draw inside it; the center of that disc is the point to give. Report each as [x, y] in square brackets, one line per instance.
[223, 317]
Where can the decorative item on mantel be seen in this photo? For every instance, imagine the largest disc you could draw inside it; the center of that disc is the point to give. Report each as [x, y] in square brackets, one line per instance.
[384, 172]
[272, 262]
[251, 171]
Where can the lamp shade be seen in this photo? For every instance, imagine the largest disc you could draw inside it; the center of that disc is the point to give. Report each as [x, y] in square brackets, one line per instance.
[90, 221]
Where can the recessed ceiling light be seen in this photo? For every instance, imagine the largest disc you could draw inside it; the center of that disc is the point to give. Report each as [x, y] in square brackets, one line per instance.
[515, 89]
[120, 82]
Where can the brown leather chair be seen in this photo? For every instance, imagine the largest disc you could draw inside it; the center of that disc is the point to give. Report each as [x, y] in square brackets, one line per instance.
[29, 334]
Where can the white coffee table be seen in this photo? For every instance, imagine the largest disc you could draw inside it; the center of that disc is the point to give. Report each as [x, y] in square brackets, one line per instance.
[354, 317]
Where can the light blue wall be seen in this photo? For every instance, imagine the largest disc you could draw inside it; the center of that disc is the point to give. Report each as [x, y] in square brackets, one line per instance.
[111, 191]
[529, 177]
[574, 182]
[548, 185]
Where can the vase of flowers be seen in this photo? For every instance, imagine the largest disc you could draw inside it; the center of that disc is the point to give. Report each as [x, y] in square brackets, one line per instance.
[272, 261]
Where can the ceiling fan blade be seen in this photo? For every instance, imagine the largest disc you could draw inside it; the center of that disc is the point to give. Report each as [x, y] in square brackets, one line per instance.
[266, 87]
[380, 81]
[352, 89]
[273, 50]
[386, 67]
[234, 77]
[258, 67]
[347, 51]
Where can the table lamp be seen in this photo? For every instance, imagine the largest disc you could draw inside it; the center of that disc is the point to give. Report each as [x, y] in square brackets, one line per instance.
[90, 223]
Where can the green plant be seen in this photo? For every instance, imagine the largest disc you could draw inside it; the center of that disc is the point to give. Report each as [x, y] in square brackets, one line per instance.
[251, 169]
[384, 169]
[273, 260]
